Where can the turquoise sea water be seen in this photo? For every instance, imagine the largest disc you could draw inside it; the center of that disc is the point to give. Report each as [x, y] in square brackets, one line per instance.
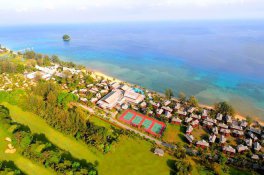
[213, 60]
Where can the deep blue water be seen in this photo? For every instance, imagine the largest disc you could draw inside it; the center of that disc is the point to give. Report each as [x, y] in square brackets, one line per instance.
[213, 60]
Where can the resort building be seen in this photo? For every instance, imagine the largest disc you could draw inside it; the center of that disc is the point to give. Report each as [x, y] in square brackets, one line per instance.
[219, 117]
[195, 123]
[226, 132]
[189, 138]
[159, 152]
[177, 106]
[249, 142]
[176, 120]
[182, 113]
[241, 148]
[212, 138]
[229, 149]
[189, 129]
[110, 100]
[133, 97]
[215, 130]
[202, 144]
[167, 102]
[222, 125]
[191, 110]
[255, 157]
[188, 120]
[228, 119]
[222, 140]
[204, 114]
[257, 146]
[194, 116]
[237, 133]
[236, 127]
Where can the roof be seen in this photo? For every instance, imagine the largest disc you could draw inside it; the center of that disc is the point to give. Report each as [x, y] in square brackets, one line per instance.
[158, 151]
[189, 137]
[219, 116]
[195, 122]
[222, 125]
[205, 113]
[111, 97]
[236, 127]
[241, 148]
[226, 131]
[222, 139]
[167, 102]
[131, 94]
[257, 146]
[238, 132]
[212, 138]
[195, 116]
[203, 143]
[191, 109]
[188, 119]
[255, 156]
[189, 129]
[176, 119]
[229, 149]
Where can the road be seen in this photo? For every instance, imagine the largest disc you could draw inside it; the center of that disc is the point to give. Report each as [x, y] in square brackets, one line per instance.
[113, 120]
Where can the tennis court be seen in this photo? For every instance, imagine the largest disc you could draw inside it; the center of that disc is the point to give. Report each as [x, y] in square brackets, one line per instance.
[128, 116]
[147, 123]
[137, 120]
[157, 128]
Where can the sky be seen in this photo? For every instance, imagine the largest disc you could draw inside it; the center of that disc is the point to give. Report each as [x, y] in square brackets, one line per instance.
[79, 11]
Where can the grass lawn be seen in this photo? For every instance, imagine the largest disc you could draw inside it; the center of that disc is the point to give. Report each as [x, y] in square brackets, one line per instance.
[200, 133]
[99, 122]
[129, 156]
[134, 156]
[174, 133]
[22, 163]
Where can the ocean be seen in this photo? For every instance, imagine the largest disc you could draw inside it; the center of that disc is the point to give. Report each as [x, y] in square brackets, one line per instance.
[213, 60]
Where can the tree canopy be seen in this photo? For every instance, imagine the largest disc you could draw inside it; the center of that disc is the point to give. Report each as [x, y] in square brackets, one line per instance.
[168, 93]
[224, 108]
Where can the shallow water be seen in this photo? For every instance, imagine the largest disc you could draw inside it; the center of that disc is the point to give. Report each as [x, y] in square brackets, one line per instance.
[213, 60]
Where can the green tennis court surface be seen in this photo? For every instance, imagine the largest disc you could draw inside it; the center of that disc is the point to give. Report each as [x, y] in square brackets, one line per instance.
[137, 120]
[147, 123]
[128, 116]
[156, 128]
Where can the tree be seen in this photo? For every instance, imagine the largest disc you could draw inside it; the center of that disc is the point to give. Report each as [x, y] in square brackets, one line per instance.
[182, 167]
[224, 108]
[168, 93]
[182, 96]
[55, 59]
[193, 101]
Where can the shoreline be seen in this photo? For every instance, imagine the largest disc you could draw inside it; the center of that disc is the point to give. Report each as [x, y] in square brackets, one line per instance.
[237, 115]
[101, 74]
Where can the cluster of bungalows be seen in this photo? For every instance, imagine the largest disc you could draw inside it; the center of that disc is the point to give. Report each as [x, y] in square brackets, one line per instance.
[48, 72]
[120, 97]
[95, 91]
[220, 128]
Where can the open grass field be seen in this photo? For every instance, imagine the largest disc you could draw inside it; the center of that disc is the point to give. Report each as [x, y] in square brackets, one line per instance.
[22, 163]
[129, 156]
[199, 133]
[134, 156]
